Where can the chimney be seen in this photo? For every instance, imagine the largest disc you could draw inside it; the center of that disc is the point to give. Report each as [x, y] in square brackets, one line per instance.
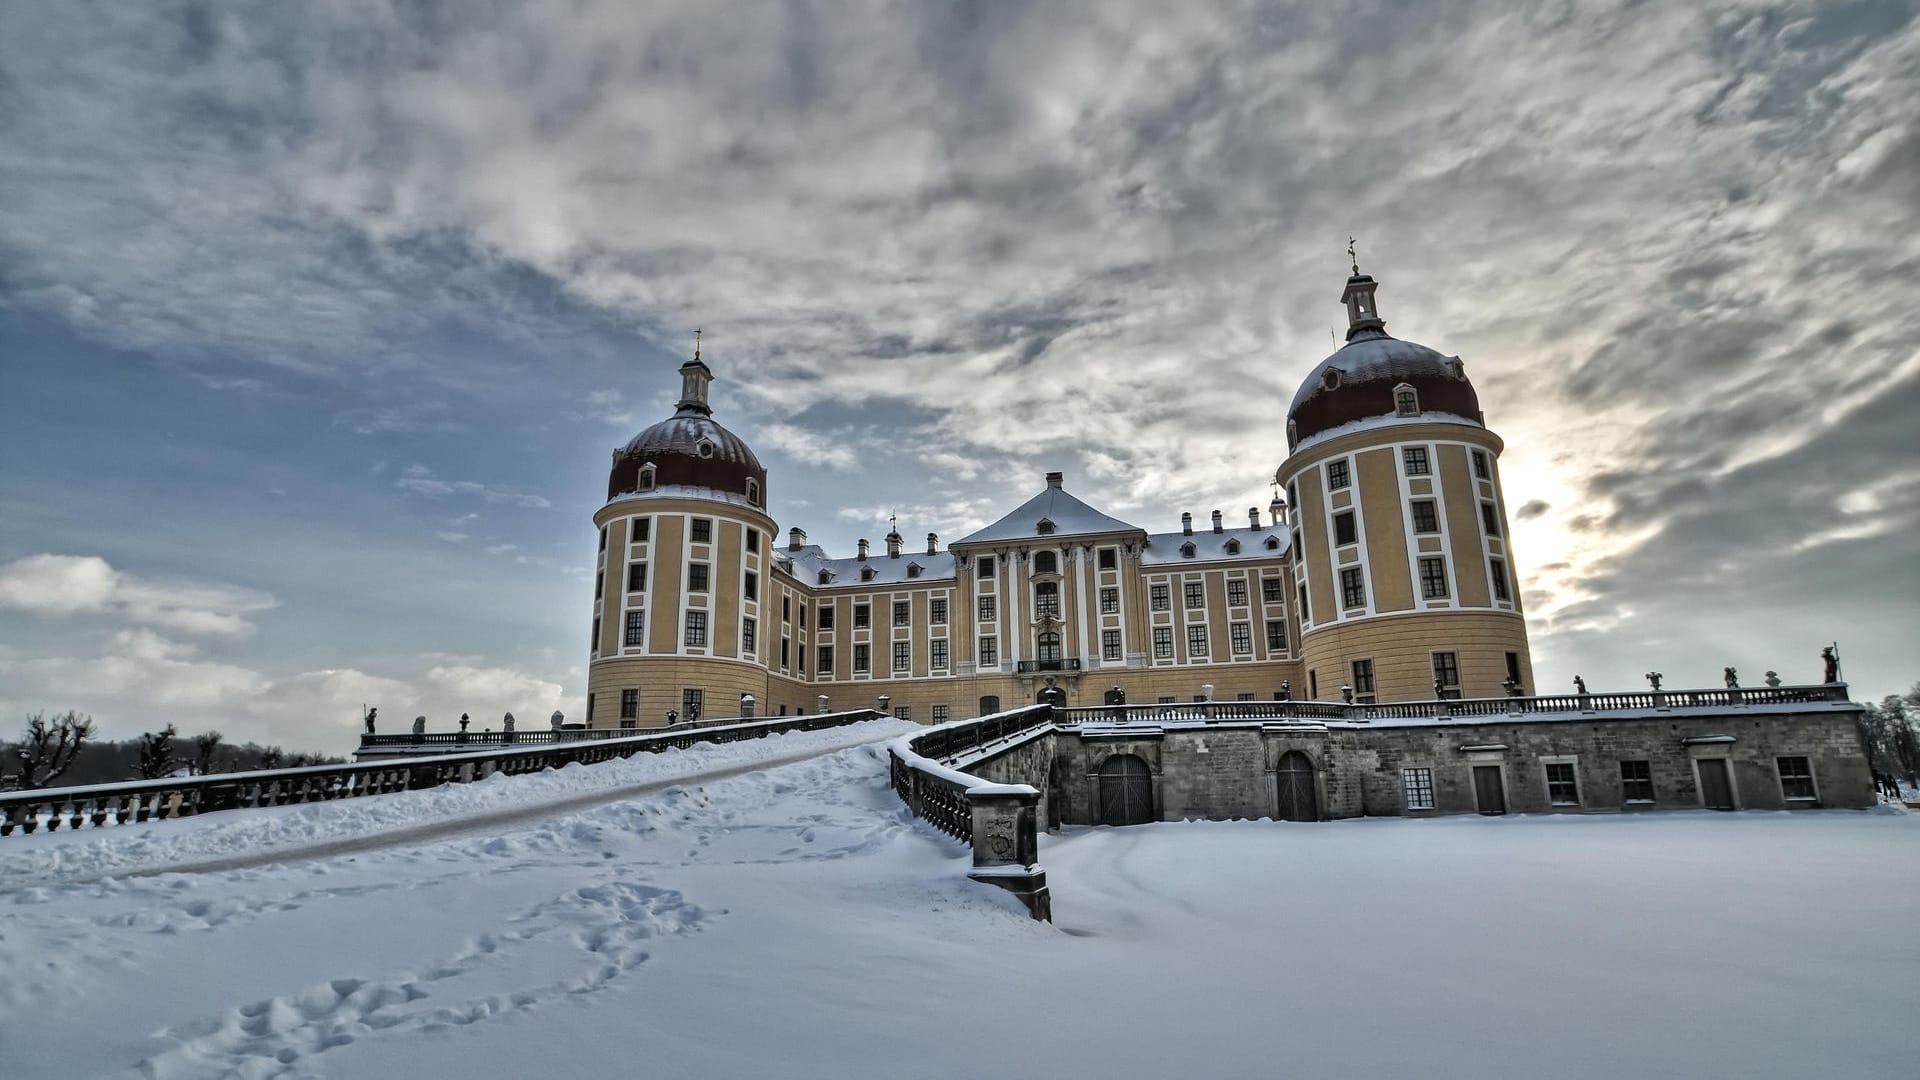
[895, 544]
[1253, 518]
[1055, 479]
[1186, 524]
[933, 544]
[796, 538]
[863, 547]
[1216, 522]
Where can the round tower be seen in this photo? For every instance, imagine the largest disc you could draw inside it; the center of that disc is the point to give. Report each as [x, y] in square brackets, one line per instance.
[1403, 565]
[685, 553]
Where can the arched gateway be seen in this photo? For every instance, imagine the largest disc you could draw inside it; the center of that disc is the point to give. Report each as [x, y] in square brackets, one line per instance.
[1126, 791]
[1293, 781]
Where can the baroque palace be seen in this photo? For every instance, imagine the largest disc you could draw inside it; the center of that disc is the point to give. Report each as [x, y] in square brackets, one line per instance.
[1382, 574]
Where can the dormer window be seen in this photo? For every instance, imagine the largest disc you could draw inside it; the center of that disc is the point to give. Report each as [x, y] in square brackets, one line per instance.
[913, 569]
[1406, 401]
[866, 573]
[1273, 543]
[647, 477]
[1186, 550]
[753, 492]
[1045, 526]
[1331, 379]
[1293, 433]
[826, 577]
[704, 448]
[1233, 547]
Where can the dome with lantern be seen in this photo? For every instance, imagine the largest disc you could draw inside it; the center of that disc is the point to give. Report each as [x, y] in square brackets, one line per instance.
[689, 452]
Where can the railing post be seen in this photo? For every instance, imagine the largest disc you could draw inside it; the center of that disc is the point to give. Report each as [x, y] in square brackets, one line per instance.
[1006, 844]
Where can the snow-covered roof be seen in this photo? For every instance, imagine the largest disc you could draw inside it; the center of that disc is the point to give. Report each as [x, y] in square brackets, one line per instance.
[1066, 515]
[688, 491]
[807, 564]
[1208, 546]
[1372, 422]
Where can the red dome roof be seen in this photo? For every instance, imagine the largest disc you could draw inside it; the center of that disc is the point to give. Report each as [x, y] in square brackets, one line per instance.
[689, 449]
[1358, 383]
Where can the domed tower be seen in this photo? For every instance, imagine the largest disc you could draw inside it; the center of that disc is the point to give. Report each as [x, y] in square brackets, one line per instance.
[685, 549]
[1403, 565]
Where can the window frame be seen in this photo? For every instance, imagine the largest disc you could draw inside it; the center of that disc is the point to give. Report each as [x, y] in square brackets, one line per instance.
[1109, 600]
[1562, 790]
[1163, 643]
[936, 611]
[1193, 595]
[1416, 461]
[938, 656]
[1416, 786]
[1433, 578]
[1780, 773]
[903, 656]
[823, 659]
[1110, 646]
[634, 633]
[1237, 592]
[1160, 596]
[1628, 783]
[1276, 635]
[699, 577]
[696, 629]
[1449, 690]
[1353, 588]
[1197, 641]
[987, 609]
[862, 656]
[700, 531]
[1346, 528]
[1339, 475]
[630, 703]
[1240, 638]
[903, 613]
[988, 651]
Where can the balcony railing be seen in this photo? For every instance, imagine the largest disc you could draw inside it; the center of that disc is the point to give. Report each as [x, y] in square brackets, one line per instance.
[1028, 667]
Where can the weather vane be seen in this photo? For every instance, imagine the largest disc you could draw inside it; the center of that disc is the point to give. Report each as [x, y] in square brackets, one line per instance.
[696, 343]
[1353, 256]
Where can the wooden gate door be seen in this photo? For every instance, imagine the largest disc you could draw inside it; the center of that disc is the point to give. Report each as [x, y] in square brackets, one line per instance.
[1716, 791]
[1126, 791]
[1487, 790]
[1297, 800]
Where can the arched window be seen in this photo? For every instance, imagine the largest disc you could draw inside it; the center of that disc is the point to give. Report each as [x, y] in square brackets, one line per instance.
[1186, 550]
[1406, 401]
[1046, 562]
[753, 491]
[1047, 647]
[646, 477]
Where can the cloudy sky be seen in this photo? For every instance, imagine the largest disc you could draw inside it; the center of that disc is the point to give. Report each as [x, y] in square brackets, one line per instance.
[318, 321]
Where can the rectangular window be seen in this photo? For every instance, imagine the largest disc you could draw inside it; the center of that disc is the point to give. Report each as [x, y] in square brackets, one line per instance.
[629, 704]
[599, 584]
[749, 636]
[703, 530]
[1414, 460]
[596, 635]
[786, 608]
[1513, 667]
[1337, 476]
[1313, 684]
[1419, 787]
[636, 627]
[825, 654]
[1636, 781]
[801, 667]
[1562, 788]
[1490, 517]
[1796, 777]
[1046, 599]
[640, 530]
[1276, 635]
[1109, 558]
[1109, 600]
[902, 655]
[1109, 644]
[862, 657]
[1426, 519]
[1157, 597]
[750, 586]
[1303, 610]
[826, 615]
[637, 577]
[986, 609]
[753, 540]
[1363, 681]
[1497, 570]
[1163, 643]
[862, 617]
[1433, 578]
[1244, 695]
[989, 652]
[1197, 640]
[1236, 593]
[903, 712]
[1240, 637]
[902, 612]
[1345, 529]
[786, 653]
[1480, 468]
[939, 714]
[692, 704]
[937, 654]
[603, 539]
[1196, 596]
[1353, 588]
[1270, 590]
[937, 611]
[697, 577]
[696, 628]
[1446, 674]
[986, 566]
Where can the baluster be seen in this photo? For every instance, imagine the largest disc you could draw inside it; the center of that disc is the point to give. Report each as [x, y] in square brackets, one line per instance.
[99, 814]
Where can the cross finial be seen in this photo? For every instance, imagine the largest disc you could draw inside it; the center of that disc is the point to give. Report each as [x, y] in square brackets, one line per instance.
[696, 343]
[1353, 256]
[893, 521]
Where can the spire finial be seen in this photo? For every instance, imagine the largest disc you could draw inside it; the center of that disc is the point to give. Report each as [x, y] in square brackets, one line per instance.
[893, 521]
[696, 343]
[1353, 256]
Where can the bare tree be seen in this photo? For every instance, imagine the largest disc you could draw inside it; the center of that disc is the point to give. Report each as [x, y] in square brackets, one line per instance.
[156, 753]
[49, 746]
[206, 752]
[272, 757]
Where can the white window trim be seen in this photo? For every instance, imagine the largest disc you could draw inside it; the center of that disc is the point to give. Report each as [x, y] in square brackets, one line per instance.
[1573, 760]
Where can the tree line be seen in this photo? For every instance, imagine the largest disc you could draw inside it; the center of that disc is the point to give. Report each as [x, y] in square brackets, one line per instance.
[62, 751]
[1893, 735]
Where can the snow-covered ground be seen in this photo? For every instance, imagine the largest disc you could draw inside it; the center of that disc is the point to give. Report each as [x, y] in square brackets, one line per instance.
[795, 923]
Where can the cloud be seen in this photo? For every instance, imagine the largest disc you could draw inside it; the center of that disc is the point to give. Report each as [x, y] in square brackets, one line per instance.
[608, 406]
[86, 585]
[420, 480]
[812, 449]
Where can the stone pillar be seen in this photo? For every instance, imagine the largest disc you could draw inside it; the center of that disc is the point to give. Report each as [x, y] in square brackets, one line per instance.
[1006, 843]
[821, 705]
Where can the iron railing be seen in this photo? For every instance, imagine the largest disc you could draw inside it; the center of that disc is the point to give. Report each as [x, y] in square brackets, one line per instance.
[142, 800]
[1028, 667]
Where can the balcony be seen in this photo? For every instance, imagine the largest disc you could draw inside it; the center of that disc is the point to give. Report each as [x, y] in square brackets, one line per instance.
[1028, 667]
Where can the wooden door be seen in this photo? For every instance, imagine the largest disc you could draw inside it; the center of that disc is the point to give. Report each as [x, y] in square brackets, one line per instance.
[1126, 791]
[1488, 792]
[1293, 779]
[1716, 790]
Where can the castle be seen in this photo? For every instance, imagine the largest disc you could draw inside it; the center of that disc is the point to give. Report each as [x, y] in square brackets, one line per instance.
[1384, 573]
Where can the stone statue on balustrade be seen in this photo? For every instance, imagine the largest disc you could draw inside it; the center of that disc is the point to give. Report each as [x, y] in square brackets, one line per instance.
[1732, 677]
[1830, 654]
[419, 725]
